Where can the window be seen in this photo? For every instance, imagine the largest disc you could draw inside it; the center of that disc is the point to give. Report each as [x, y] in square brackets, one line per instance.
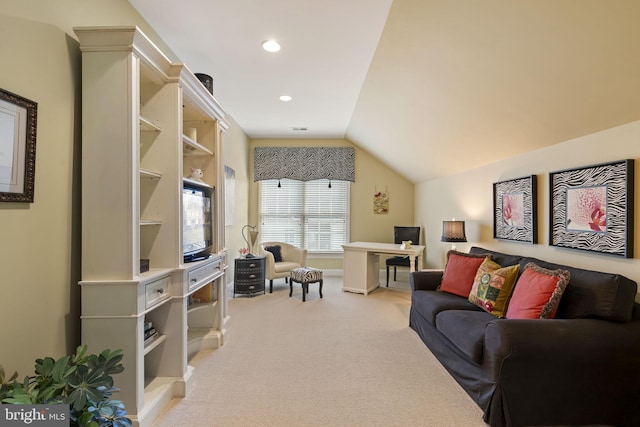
[307, 214]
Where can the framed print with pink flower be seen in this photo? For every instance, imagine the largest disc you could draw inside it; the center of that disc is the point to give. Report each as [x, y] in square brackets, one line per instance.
[592, 208]
[515, 210]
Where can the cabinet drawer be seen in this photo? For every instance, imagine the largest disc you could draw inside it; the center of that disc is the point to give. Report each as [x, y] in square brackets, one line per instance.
[252, 282]
[249, 275]
[250, 265]
[157, 291]
[200, 274]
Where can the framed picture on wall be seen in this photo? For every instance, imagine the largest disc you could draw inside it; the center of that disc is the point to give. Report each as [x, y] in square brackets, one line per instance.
[18, 118]
[591, 208]
[229, 195]
[515, 210]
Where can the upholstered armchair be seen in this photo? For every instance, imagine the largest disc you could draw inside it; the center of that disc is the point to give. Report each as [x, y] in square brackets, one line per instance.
[278, 267]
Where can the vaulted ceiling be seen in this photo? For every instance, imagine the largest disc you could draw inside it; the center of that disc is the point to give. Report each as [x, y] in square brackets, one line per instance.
[430, 87]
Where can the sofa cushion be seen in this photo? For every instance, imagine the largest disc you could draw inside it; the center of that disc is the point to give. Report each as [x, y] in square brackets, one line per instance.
[537, 293]
[465, 329]
[459, 272]
[430, 303]
[595, 294]
[499, 257]
[492, 287]
[276, 250]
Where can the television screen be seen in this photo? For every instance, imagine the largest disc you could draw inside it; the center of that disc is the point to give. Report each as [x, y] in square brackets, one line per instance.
[196, 217]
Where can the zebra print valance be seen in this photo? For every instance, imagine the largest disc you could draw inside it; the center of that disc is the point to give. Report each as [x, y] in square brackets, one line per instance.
[304, 163]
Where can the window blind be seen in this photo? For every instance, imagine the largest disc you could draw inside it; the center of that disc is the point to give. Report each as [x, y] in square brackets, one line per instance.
[307, 214]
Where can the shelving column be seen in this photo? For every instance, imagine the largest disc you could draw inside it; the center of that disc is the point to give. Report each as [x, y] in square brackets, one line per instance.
[131, 211]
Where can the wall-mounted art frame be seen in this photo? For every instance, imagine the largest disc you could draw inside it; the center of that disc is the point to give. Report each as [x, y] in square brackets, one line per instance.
[515, 209]
[18, 117]
[592, 208]
[381, 201]
[229, 195]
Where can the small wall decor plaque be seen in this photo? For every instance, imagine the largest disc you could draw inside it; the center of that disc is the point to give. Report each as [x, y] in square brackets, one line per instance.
[381, 202]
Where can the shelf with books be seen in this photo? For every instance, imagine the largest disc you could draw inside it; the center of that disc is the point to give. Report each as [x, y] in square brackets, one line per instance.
[153, 342]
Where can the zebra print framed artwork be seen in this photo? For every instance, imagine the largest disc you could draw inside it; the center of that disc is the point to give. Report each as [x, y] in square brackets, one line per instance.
[515, 210]
[592, 208]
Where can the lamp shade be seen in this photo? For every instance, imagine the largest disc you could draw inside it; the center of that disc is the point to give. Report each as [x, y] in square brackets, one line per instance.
[453, 231]
[253, 236]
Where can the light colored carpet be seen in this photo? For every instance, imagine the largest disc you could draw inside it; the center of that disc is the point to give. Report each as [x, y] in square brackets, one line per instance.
[344, 360]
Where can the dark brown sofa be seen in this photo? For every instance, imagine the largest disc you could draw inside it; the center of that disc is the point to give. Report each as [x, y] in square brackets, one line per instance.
[580, 368]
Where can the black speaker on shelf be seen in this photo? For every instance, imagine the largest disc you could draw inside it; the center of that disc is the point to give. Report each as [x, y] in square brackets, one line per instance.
[206, 80]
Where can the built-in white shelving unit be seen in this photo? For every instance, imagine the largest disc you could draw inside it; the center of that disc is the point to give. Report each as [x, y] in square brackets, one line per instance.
[146, 122]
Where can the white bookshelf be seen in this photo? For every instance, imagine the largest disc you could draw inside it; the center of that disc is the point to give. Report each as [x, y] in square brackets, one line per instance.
[141, 113]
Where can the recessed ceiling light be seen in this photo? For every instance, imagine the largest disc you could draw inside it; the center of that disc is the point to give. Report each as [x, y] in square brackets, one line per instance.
[285, 98]
[271, 45]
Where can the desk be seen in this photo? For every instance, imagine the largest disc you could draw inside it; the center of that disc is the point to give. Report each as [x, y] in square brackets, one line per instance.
[362, 263]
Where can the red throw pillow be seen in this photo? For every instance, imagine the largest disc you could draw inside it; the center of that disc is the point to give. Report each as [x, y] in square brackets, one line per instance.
[460, 271]
[537, 293]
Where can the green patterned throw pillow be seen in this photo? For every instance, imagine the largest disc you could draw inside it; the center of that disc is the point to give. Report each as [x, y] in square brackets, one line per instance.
[492, 287]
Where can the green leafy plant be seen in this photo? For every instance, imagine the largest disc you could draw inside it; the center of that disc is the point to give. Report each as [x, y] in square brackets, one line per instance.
[83, 381]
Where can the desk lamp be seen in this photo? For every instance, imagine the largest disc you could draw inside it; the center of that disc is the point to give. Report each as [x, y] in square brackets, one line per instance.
[453, 231]
[251, 240]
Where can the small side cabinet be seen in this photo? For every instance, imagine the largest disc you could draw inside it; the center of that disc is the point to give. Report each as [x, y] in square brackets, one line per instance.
[249, 275]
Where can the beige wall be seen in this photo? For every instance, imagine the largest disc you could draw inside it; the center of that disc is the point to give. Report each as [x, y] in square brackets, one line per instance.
[468, 196]
[236, 149]
[371, 175]
[40, 241]
[40, 245]
[66, 14]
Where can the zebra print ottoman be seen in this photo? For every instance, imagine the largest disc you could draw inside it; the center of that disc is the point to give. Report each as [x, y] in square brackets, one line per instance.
[304, 276]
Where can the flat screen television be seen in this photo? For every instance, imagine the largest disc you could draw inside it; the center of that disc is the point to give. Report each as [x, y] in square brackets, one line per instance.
[197, 228]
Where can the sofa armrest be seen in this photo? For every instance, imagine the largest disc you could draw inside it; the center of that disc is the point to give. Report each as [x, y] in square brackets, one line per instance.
[299, 256]
[589, 340]
[426, 280]
[568, 366]
[270, 263]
